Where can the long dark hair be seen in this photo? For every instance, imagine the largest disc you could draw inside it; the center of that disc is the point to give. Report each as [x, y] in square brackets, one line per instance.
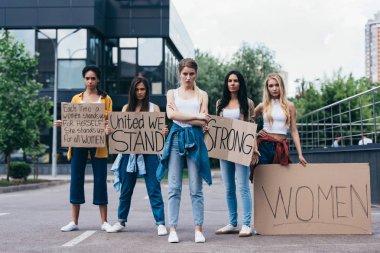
[242, 94]
[132, 101]
[98, 74]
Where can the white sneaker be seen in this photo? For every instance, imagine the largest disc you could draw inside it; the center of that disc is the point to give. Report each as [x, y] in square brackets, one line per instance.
[173, 237]
[245, 231]
[199, 237]
[70, 227]
[105, 226]
[161, 230]
[228, 229]
[117, 227]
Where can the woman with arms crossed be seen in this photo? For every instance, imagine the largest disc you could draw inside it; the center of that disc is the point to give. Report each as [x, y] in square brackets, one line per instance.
[187, 107]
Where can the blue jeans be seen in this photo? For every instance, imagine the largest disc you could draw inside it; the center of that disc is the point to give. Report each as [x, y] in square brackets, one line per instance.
[99, 167]
[229, 171]
[176, 166]
[153, 187]
[267, 150]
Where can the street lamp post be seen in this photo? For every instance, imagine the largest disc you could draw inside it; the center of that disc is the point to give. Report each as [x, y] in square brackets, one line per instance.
[55, 94]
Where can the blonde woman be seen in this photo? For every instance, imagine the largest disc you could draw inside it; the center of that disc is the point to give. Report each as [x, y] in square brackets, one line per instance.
[187, 107]
[279, 115]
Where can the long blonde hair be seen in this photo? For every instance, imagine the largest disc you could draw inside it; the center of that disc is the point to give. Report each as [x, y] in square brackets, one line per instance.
[267, 99]
[191, 63]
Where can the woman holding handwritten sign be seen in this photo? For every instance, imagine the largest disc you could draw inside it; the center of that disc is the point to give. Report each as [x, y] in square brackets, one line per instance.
[98, 156]
[234, 104]
[187, 107]
[279, 115]
[128, 166]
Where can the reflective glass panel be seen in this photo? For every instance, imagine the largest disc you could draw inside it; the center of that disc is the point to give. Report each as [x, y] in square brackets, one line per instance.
[27, 37]
[72, 43]
[70, 74]
[150, 52]
[128, 62]
[47, 33]
[128, 42]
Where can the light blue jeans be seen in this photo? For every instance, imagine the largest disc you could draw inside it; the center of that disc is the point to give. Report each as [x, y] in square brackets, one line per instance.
[176, 166]
[229, 171]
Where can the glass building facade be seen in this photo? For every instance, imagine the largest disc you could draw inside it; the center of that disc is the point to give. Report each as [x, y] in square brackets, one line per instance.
[124, 38]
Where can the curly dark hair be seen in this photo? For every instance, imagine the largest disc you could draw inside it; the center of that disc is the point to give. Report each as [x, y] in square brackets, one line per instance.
[98, 74]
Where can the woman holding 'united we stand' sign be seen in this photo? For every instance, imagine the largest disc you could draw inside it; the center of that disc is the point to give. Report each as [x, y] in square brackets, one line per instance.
[127, 167]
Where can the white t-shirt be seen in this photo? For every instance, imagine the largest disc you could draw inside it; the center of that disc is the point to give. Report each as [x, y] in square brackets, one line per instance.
[365, 141]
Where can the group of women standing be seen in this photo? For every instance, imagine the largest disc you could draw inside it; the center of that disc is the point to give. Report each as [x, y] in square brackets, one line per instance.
[187, 107]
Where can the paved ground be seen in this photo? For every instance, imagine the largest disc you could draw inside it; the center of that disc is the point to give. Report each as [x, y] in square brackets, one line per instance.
[30, 222]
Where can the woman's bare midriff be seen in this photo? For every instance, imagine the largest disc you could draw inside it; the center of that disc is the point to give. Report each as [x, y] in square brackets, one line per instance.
[277, 136]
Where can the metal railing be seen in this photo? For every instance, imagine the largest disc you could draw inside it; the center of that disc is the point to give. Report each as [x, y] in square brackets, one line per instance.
[349, 120]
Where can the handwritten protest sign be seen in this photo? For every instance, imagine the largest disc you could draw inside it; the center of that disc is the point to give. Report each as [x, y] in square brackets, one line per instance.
[83, 125]
[230, 139]
[136, 132]
[317, 199]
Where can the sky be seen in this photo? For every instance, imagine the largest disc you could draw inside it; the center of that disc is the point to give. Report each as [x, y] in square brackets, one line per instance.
[311, 39]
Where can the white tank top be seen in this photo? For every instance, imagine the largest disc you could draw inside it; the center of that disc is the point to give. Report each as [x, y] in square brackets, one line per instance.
[231, 113]
[188, 106]
[151, 107]
[278, 125]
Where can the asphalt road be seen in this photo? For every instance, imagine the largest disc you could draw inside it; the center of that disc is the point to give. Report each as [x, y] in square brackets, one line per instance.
[30, 221]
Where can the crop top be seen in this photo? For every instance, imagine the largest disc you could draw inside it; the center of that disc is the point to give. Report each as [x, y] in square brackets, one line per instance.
[188, 106]
[278, 125]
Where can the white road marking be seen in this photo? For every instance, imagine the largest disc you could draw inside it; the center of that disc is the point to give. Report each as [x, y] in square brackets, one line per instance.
[1, 214]
[79, 238]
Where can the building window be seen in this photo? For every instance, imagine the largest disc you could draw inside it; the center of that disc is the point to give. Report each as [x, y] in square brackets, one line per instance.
[46, 59]
[27, 37]
[70, 74]
[128, 42]
[171, 65]
[150, 51]
[128, 62]
[74, 46]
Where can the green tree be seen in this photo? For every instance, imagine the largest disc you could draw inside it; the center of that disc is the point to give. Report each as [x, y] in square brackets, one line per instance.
[255, 63]
[210, 76]
[22, 113]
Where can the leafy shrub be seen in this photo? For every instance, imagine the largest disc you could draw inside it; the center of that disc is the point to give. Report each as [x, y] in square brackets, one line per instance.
[19, 170]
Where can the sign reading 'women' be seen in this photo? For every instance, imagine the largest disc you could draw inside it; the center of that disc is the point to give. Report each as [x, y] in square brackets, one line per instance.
[136, 132]
[316, 199]
[82, 125]
[230, 139]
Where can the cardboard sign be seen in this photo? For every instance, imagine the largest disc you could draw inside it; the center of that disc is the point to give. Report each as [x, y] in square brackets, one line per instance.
[317, 199]
[83, 125]
[230, 139]
[136, 132]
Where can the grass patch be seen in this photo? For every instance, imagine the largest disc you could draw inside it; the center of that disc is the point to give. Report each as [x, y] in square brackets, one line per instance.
[5, 183]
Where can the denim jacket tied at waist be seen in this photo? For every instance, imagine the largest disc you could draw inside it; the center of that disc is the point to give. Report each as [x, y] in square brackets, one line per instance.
[191, 144]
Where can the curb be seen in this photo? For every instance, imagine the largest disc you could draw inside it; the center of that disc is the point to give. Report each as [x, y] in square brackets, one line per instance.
[25, 187]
